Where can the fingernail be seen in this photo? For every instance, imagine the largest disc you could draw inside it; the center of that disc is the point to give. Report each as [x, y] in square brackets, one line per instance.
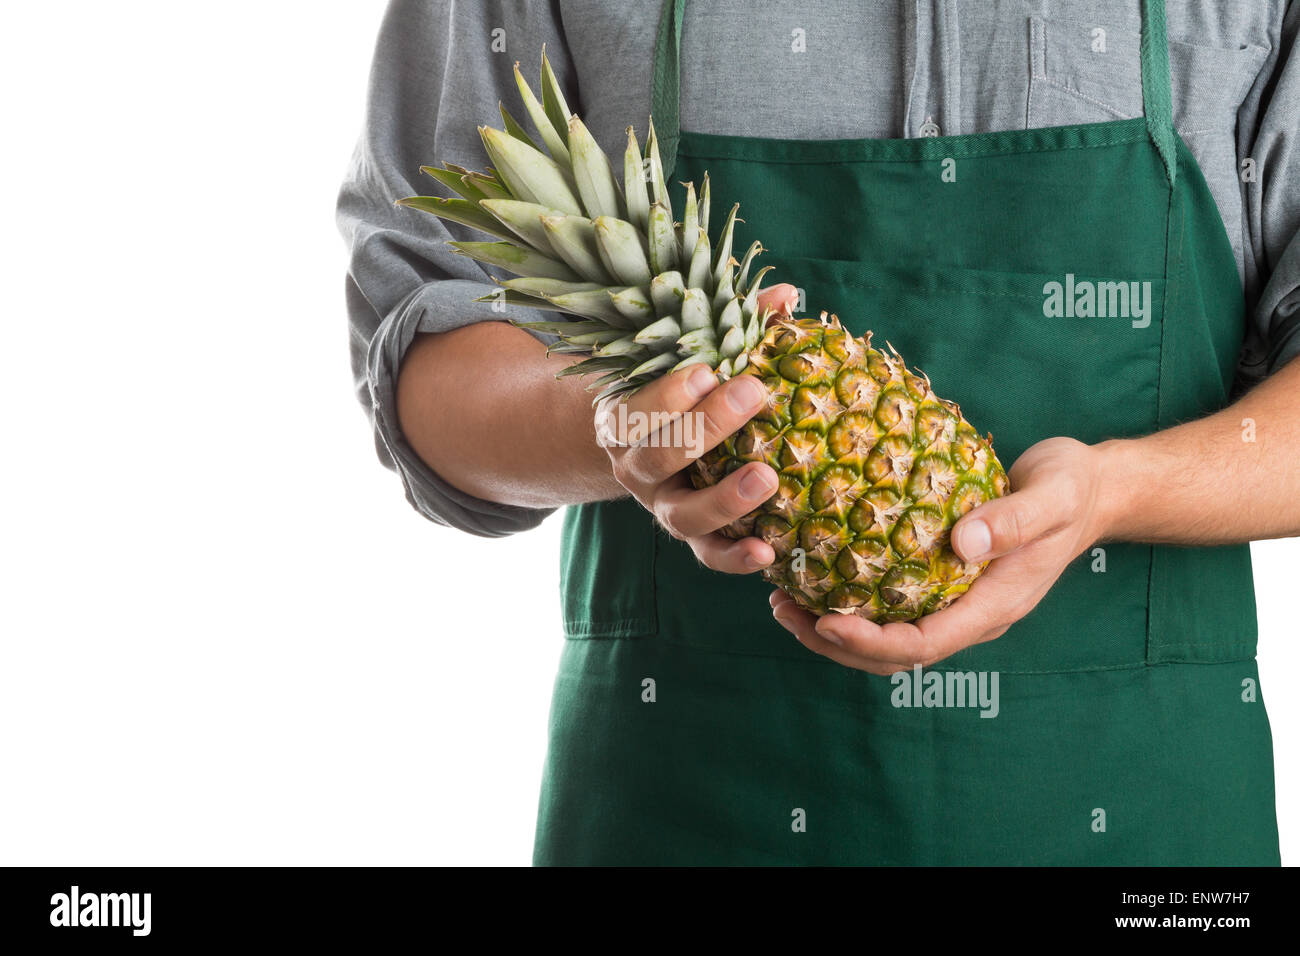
[824, 631]
[745, 394]
[975, 540]
[756, 485]
[754, 562]
[700, 382]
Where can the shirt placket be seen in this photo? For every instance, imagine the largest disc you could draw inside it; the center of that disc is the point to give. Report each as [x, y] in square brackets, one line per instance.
[934, 95]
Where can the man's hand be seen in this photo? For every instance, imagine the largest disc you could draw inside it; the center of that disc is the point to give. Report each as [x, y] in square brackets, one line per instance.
[649, 455]
[1054, 513]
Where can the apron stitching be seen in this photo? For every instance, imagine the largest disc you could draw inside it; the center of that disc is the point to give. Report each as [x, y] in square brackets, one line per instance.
[654, 580]
[957, 152]
[1247, 644]
[823, 662]
[626, 627]
[1174, 270]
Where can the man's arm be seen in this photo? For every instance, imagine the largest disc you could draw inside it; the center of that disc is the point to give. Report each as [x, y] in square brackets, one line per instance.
[433, 80]
[1231, 477]
[482, 407]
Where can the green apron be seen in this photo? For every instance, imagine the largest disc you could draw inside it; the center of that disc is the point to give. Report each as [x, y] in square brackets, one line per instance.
[687, 727]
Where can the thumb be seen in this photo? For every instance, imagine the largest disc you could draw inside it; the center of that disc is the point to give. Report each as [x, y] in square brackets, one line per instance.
[1003, 525]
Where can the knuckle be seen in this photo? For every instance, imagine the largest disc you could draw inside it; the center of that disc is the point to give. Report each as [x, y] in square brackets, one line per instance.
[1016, 524]
[729, 504]
[714, 519]
[1069, 484]
[676, 394]
[713, 427]
[666, 521]
[714, 509]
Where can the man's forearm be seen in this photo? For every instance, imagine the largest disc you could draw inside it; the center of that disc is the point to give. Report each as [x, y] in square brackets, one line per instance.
[1231, 477]
[481, 406]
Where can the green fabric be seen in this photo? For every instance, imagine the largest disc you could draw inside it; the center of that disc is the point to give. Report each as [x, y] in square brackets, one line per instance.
[713, 771]
[1157, 95]
[1131, 689]
[623, 574]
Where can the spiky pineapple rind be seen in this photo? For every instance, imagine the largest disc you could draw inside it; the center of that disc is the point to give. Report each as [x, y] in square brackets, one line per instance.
[875, 470]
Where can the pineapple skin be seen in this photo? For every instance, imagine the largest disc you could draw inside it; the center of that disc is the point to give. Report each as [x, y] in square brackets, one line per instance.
[874, 468]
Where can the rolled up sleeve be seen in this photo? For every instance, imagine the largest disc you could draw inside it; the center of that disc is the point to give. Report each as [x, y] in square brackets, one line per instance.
[1272, 207]
[439, 71]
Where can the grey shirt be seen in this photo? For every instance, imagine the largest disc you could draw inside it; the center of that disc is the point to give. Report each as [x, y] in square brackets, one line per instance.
[816, 69]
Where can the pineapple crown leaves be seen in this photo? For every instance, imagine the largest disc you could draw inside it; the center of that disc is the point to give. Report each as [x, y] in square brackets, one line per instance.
[646, 294]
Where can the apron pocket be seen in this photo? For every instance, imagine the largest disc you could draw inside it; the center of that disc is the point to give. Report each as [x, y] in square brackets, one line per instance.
[607, 570]
[1202, 605]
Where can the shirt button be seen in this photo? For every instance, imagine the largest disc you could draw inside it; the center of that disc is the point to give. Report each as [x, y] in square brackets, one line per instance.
[929, 127]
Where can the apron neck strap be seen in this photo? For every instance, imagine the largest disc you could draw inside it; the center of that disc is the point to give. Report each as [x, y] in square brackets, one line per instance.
[665, 83]
[1157, 97]
[1157, 88]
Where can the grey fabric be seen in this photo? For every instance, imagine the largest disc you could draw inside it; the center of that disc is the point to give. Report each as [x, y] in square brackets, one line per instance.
[816, 69]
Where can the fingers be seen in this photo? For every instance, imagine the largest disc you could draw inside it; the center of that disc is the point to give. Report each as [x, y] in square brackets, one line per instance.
[900, 645]
[781, 299]
[686, 513]
[1003, 525]
[666, 399]
[807, 631]
[722, 412]
[732, 557]
[660, 430]
[695, 515]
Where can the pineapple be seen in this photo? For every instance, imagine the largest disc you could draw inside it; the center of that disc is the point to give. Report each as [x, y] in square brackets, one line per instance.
[874, 467]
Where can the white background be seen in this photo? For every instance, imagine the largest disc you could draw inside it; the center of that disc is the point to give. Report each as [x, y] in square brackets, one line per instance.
[226, 639]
